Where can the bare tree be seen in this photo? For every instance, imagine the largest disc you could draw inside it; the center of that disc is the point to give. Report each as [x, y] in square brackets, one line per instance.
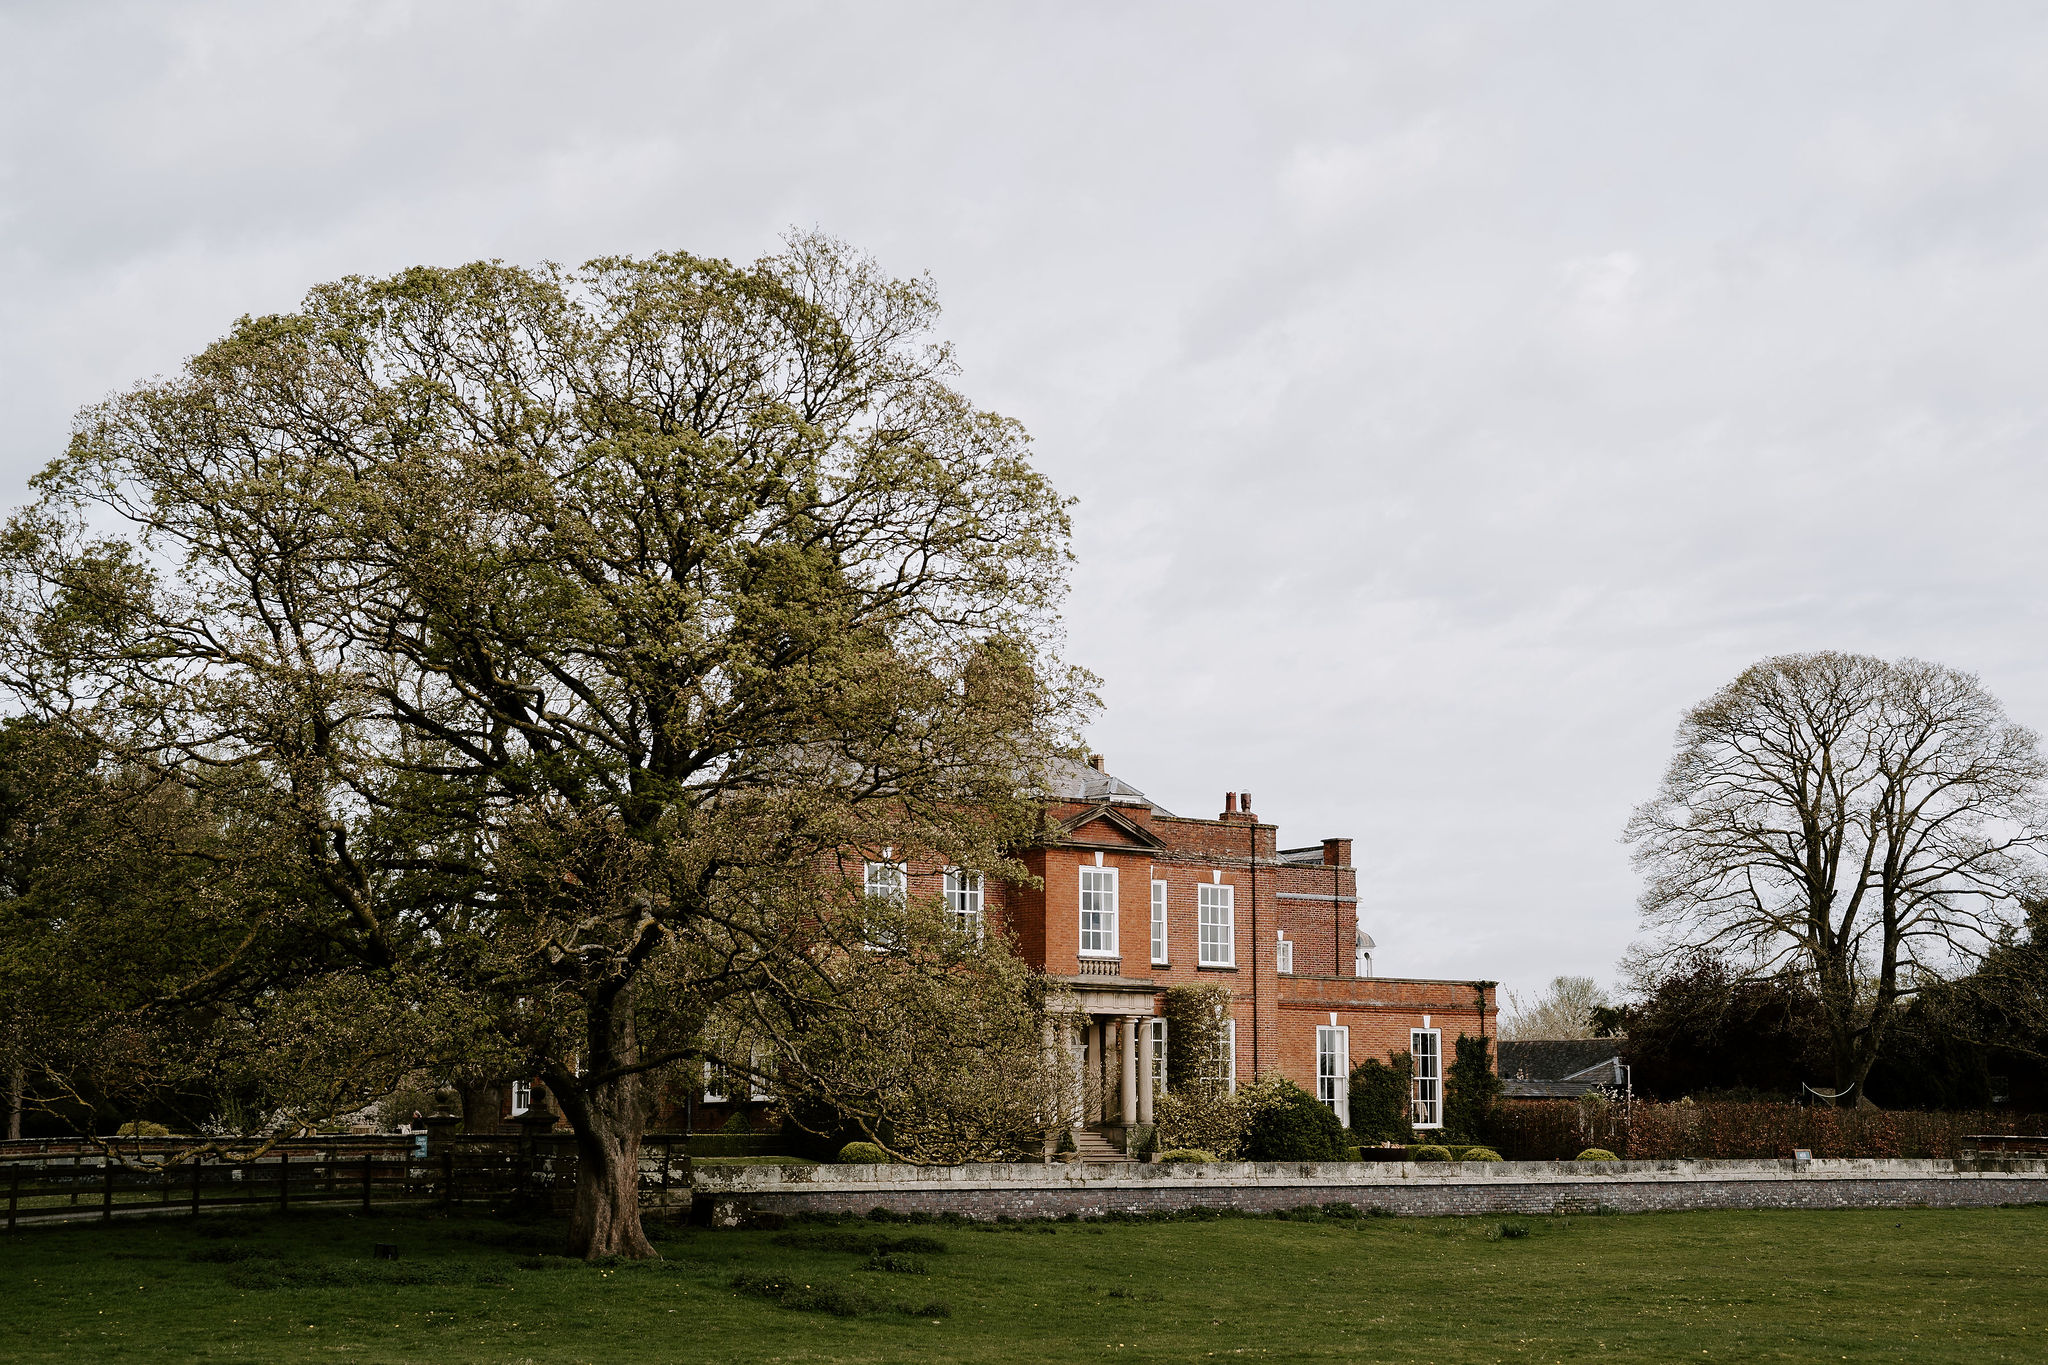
[1565, 1010]
[1868, 824]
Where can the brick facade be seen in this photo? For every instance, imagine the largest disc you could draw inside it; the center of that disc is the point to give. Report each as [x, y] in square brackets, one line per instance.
[1307, 896]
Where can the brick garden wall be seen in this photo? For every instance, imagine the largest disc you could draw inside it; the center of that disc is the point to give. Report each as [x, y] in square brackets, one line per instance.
[730, 1196]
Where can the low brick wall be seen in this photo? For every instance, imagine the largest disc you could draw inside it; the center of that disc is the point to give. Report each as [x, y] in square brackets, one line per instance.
[729, 1196]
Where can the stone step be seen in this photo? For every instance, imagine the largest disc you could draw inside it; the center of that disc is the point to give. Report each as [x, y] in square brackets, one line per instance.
[1090, 1145]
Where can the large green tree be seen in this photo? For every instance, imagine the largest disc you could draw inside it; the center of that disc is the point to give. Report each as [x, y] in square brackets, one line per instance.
[580, 626]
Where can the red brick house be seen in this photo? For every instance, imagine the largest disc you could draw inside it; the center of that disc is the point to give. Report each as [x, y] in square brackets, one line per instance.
[1135, 899]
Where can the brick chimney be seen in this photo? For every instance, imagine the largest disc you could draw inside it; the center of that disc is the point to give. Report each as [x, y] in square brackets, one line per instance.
[1336, 853]
[1095, 762]
[1229, 805]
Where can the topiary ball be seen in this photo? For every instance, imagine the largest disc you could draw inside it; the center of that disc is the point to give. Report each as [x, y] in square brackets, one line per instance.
[864, 1154]
[1480, 1154]
[1596, 1154]
[1429, 1152]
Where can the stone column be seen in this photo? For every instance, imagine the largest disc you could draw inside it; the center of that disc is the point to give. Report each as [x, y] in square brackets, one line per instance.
[1144, 1027]
[1128, 1106]
[1091, 1070]
[1105, 1068]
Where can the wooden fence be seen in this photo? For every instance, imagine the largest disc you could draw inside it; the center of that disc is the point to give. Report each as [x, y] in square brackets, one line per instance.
[68, 1181]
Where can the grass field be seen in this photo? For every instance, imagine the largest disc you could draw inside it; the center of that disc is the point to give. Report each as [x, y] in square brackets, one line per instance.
[1918, 1285]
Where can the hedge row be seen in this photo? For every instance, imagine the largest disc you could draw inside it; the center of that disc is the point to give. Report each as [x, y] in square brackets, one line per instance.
[1556, 1130]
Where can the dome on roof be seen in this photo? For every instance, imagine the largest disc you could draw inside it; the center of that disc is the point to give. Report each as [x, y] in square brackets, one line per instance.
[1365, 940]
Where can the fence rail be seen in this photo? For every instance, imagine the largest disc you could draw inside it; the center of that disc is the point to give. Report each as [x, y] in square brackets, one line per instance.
[69, 1181]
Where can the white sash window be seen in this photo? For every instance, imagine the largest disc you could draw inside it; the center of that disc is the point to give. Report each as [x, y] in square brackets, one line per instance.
[963, 902]
[1216, 907]
[1333, 1070]
[1425, 1045]
[1098, 912]
[1159, 923]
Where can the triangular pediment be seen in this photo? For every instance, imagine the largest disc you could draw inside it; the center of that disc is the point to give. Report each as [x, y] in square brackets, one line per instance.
[1104, 826]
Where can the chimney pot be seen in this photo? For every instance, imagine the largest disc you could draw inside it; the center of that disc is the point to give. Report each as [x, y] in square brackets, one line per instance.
[1230, 803]
[1095, 762]
[1244, 802]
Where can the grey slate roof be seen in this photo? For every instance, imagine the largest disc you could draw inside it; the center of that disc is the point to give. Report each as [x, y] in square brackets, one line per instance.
[1555, 1059]
[1073, 781]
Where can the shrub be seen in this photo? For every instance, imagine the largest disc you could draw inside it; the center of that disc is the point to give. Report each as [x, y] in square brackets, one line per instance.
[1380, 1100]
[1204, 1116]
[1596, 1154]
[737, 1123]
[1177, 1155]
[1480, 1154]
[1288, 1124]
[1429, 1152]
[863, 1153]
[142, 1128]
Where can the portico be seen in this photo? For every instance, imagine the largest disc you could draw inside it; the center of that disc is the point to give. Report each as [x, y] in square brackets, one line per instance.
[1109, 1036]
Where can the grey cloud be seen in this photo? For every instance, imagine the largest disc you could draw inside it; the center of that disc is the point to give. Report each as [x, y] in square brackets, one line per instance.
[1453, 395]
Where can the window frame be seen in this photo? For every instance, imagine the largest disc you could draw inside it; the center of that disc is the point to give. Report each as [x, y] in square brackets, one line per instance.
[1226, 1063]
[963, 886]
[1219, 899]
[900, 894]
[1159, 944]
[1107, 930]
[1283, 955]
[1156, 1037]
[521, 1097]
[713, 1076]
[1339, 1076]
[1434, 1081]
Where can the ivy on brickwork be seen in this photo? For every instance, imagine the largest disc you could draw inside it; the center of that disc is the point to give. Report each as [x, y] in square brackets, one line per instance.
[1198, 1109]
[1380, 1104]
[1472, 1091]
[1195, 1030]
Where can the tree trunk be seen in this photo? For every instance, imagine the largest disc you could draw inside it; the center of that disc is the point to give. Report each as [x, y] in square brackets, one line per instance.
[607, 1121]
[16, 1081]
[480, 1106]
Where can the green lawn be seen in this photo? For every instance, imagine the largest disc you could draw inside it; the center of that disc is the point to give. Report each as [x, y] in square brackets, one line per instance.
[1918, 1286]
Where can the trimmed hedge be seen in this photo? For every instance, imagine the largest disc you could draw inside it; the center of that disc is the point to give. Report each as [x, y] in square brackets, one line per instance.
[1429, 1151]
[1480, 1154]
[738, 1144]
[1596, 1154]
[1553, 1130]
[864, 1154]
[1178, 1155]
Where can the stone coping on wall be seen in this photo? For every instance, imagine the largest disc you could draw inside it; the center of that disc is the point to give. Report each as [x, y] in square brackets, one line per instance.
[1323, 1175]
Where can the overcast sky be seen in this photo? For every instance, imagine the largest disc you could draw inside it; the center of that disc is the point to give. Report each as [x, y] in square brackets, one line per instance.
[1453, 393]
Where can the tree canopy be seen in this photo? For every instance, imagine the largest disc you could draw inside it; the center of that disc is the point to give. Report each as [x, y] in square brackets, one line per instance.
[566, 632]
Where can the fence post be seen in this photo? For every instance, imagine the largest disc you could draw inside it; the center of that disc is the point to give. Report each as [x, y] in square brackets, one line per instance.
[367, 1158]
[196, 1162]
[284, 1181]
[106, 1189]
